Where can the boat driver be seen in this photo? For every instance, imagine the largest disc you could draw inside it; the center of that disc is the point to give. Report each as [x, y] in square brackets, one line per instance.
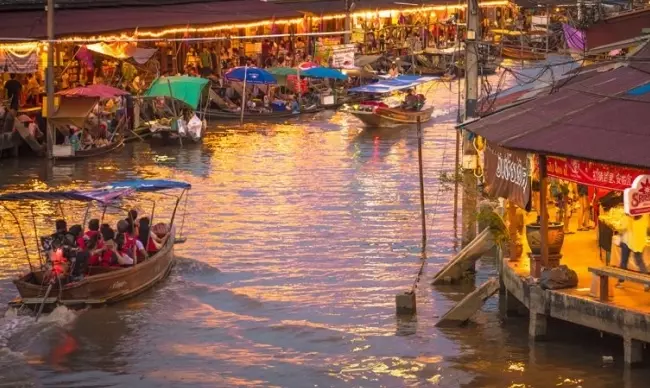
[411, 101]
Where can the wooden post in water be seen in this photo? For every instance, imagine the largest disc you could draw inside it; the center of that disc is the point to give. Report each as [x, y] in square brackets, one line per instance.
[243, 96]
[422, 210]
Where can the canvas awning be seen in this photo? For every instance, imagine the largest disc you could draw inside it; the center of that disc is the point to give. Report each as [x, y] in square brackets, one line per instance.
[72, 111]
[183, 88]
[123, 51]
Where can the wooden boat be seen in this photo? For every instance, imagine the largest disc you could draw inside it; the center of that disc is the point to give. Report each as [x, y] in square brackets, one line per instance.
[392, 117]
[185, 99]
[525, 54]
[217, 114]
[75, 110]
[66, 152]
[378, 114]
[103, 285]
[41, 287]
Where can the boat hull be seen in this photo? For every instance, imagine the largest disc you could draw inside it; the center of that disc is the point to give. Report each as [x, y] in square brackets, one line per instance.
[216, 114]
[106, 285]
[389, 117]
[93, 151]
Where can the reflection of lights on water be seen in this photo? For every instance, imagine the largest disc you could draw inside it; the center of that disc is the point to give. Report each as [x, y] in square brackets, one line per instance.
[517, 367]
[163, 158]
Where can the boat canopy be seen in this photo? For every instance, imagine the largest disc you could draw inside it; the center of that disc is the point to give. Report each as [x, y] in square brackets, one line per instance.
[106, 194]
[183, 88]
[149, 185]
[392, 85]
[94, 91]
[103, 196]
[72, 111]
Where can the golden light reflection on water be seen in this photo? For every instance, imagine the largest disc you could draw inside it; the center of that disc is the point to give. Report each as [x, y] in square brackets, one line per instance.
[314, 227]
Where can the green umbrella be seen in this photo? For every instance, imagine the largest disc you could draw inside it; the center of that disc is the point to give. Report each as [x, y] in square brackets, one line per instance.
[283, 71]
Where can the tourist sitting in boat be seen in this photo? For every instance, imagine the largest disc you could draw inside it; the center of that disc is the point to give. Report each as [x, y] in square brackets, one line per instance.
[93, 241]
[126, 244]
[80, 256]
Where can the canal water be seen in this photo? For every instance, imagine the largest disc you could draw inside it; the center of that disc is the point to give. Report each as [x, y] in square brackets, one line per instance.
[300, 234]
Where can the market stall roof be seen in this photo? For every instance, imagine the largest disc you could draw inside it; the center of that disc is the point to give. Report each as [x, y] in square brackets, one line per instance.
[73, 111]
[183, 88]
[602, 118]
[94, 91]
[70, 22]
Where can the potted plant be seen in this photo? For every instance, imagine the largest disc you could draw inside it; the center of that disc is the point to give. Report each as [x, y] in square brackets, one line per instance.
[555, 237]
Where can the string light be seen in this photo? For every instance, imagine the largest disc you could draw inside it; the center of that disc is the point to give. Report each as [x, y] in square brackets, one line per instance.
[169, 32]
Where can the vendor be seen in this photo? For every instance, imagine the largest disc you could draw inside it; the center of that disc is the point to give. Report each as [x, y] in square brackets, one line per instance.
[634, 231]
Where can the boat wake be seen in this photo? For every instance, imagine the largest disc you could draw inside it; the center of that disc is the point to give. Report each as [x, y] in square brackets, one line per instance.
[187, 266]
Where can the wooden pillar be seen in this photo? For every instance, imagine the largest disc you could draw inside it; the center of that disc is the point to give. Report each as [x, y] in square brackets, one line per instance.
[174, 58]
[543, 190]
[218, 58]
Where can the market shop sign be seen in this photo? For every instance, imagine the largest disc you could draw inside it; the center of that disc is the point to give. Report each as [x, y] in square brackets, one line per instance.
[343, 56]
[507, 174]
[636, 199]
[591, 173]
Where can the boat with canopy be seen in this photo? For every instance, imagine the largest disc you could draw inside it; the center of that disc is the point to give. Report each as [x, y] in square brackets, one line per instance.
[381, 109]
[91, 120]
[63, 277]
[173, 108]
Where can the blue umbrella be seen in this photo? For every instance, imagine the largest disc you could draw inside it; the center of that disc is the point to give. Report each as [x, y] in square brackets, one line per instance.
[252, 75]
[324, 72]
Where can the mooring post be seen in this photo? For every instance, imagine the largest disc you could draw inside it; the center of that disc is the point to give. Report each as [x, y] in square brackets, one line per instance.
[537, 326]
[632, 350]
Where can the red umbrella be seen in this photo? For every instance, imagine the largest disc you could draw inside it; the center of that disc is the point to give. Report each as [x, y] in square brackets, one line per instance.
[94, 91]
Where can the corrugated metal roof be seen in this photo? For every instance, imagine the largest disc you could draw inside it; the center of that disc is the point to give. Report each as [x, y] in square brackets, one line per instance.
[591, 119]
[20, 24]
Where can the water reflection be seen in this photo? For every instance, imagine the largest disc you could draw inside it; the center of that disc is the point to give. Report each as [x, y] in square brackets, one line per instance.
[301, 233]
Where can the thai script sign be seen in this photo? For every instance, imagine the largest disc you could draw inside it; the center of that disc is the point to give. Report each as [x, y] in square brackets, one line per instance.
[592, 173]
[507, 174]
[636, 199]
[343, 56]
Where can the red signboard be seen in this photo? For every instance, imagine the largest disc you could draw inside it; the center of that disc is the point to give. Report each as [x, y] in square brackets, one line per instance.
[591, 173]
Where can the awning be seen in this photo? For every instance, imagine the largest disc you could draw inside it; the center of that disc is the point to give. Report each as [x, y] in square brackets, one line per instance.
[183, 88]
[123, 51]
[72, 111]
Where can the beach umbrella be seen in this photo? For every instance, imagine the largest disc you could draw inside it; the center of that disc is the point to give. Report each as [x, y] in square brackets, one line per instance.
[251, 75]
[324, 72]
[282, 71]
[247, 74]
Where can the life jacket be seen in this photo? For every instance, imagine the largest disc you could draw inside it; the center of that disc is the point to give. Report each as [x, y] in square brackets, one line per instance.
[92, 241]
[128, 245]
[59, 263]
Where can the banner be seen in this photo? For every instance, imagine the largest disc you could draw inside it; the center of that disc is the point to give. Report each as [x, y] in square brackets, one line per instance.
[591, 173]
[20, 62]
[507, 175]
[343, 56]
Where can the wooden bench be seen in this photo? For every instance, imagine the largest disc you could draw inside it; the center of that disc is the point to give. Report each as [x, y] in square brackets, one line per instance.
[622, 274]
